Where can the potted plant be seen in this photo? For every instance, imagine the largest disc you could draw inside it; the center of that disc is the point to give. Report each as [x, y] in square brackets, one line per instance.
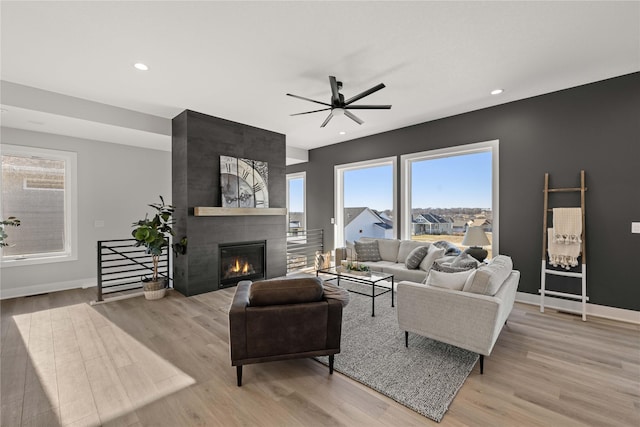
[12, 220]
[154, 235]
[358, 269]
[354, 268]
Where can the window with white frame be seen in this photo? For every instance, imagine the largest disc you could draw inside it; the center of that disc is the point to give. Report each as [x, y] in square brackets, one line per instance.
[446, 191]
[39, 188]
[296, 202]
[365, 200]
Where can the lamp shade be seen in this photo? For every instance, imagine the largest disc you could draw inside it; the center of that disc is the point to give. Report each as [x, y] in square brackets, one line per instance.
[475, 236]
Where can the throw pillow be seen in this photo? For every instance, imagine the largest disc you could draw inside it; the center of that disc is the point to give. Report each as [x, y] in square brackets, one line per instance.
[433, 254]
[285, 291]
[416, 256]
[465, 260]
[489, 278]
[405, 248]
[453, 281]
[367, 251]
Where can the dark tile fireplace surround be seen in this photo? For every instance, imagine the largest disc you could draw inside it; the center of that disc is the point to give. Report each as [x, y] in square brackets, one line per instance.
[197, 143]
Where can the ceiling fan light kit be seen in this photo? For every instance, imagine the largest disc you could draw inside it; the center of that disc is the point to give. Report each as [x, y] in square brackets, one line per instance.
[338, 106]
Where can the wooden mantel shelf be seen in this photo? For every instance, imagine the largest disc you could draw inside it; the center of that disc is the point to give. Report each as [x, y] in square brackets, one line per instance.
[217, 211]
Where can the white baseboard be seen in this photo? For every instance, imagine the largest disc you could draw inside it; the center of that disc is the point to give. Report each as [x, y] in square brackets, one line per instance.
[46, 287]
[595, 310]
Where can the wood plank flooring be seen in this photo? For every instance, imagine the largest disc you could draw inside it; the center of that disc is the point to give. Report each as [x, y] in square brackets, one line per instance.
[166, 363]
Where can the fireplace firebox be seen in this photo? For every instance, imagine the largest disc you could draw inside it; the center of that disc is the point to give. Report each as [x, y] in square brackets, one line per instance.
[242, 261]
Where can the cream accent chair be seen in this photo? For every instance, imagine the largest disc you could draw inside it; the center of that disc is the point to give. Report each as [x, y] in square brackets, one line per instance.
[471, 319]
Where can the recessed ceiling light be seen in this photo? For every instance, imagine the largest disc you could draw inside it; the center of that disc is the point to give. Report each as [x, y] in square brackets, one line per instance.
[140, 66]
[342, 132]
[497, 91]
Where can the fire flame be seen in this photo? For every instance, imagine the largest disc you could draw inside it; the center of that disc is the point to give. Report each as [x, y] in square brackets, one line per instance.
[240, 268]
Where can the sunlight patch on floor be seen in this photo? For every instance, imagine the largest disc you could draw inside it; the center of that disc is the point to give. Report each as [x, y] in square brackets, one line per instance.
[85, 370]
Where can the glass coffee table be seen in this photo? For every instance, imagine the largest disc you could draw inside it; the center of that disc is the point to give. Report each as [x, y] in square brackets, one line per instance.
[371, 278]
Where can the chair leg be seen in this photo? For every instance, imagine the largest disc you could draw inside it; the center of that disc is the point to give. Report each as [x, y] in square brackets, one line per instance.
[331, 357]
[406, 338]
[481, 364]
[239, 374]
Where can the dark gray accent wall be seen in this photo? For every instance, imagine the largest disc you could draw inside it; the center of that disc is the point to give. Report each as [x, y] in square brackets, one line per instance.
[197, 143]
[594, 127]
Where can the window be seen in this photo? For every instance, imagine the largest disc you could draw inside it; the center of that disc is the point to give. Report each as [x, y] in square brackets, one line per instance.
[365, 200]
[39, 188]
[296, 202]
[448, 190]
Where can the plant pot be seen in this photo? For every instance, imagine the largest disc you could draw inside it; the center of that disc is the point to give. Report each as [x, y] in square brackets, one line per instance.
[154, 290]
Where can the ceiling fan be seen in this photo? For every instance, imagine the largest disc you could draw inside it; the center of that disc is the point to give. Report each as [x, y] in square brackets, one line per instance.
[339, 106]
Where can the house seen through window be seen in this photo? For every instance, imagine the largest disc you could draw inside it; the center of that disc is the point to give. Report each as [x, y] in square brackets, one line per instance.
[36, 188]
[443, 193]
[449, 191]
[366, 199]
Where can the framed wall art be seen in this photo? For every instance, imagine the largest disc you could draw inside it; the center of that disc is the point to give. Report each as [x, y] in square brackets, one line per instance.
[244, 183]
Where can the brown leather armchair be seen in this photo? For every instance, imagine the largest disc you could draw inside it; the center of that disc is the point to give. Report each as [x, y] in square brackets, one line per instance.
[282, 319]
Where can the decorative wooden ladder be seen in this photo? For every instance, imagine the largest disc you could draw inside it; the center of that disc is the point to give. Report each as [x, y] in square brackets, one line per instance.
[582, 274]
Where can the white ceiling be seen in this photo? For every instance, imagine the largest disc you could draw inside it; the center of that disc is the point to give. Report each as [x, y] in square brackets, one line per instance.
[236, 60]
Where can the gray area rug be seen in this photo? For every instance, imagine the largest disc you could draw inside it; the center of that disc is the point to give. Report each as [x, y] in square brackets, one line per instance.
[424, 377]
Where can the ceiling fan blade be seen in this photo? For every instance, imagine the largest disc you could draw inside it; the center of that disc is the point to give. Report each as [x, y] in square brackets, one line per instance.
[353, 117]
[365, 93]
[368, 107]
[326, 120]
[307, 99]
[309, 112]
[335, 96]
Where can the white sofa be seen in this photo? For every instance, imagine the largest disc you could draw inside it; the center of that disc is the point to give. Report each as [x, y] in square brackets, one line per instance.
[472, 318]
[394, 254]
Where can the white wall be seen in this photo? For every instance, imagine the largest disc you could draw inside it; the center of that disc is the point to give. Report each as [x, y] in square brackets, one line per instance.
[115, 184]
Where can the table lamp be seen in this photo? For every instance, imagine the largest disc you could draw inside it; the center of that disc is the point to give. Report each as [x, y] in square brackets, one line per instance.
[475, 238]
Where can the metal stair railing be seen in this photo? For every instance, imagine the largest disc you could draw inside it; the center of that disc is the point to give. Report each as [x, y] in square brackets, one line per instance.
[122, 265]
[302, 246]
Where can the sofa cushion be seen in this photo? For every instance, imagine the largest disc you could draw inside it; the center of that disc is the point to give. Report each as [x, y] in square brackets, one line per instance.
[406, 246]
[415, 257]
[433, 254]
[401, 272]
[376, 266]
[367, 251]
[489, 278]
[388, 249]
[285, 291]
[454, 281]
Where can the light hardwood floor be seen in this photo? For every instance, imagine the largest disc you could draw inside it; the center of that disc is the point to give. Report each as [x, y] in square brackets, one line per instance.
[166, 363]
